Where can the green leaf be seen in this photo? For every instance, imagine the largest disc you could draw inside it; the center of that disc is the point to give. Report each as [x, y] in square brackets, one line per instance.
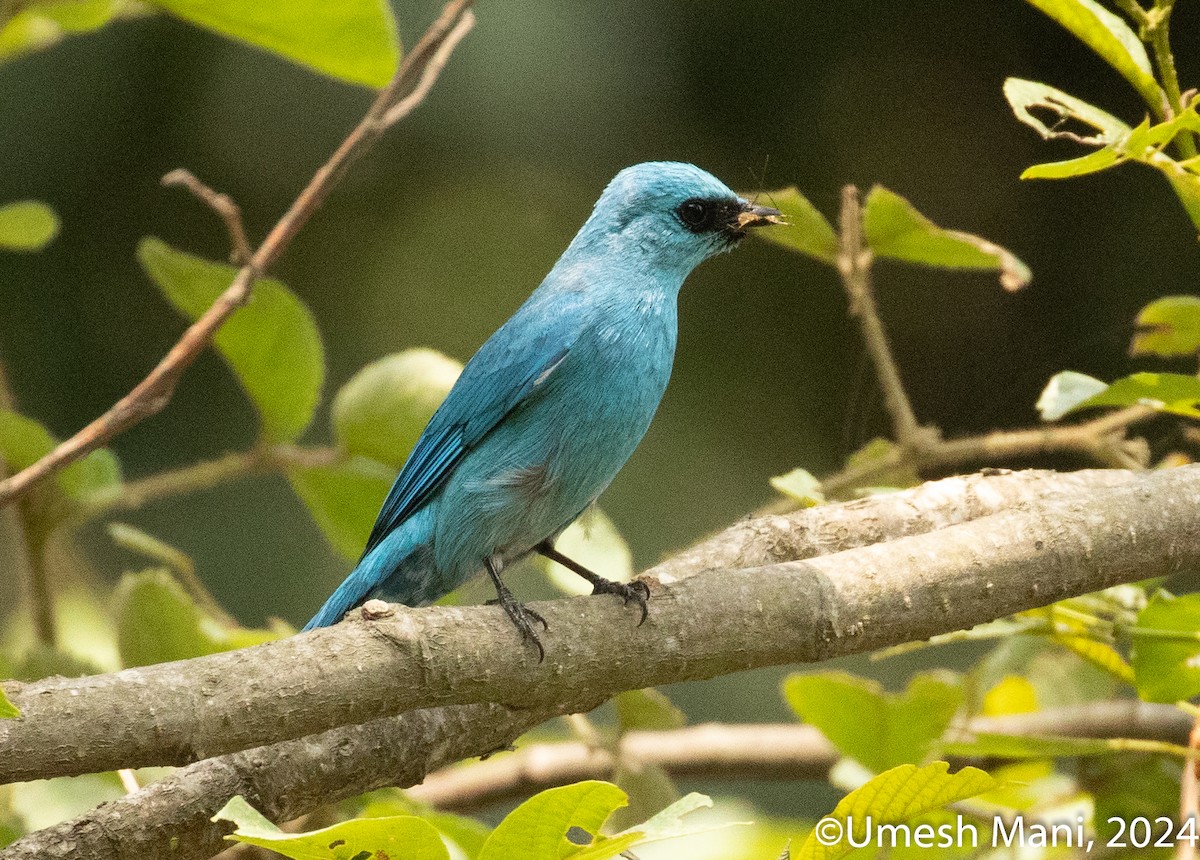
[1023, 96]
[1187, 188]
[399, 836]
[158, 621]
[806, 231]
[537, 829]
[1175, 393]
[27, 226]
[1169, 326]
[344, 499]
[1108, 36]
[8, 711]
[894, 797]
[1065, 391]
[593, 541]
[354, 40]
[801, 486]
[465, 833]
[1167, 669]
[1101, 159]
[647, 710]
[272, 343]
[876, 728]
[24, 441]
[895, 229]
[40, 25]
[384, 407]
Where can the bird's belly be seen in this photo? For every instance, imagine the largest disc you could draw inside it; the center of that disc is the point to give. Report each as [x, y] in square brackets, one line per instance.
[538, 470]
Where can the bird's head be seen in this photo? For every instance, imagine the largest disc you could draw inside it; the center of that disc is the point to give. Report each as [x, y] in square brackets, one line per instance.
[671, 215]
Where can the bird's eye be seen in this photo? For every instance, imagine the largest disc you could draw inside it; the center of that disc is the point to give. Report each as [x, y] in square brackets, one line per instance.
[696, 215]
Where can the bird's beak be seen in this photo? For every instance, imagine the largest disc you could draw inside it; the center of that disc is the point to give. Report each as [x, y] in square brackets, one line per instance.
[750, 215]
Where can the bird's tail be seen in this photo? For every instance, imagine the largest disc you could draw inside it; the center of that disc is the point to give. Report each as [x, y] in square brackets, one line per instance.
[394, 570]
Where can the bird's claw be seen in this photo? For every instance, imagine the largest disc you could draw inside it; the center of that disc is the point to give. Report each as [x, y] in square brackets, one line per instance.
[522, 618]
[629, 592]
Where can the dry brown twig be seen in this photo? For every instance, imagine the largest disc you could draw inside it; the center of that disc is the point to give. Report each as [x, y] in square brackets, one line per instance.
[397, 100]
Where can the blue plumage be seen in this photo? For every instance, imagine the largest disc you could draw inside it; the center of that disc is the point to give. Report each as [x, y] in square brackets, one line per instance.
[553, 404]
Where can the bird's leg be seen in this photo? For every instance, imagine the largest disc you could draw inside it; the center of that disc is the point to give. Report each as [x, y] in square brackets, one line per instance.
[631, 592]
[522, 616]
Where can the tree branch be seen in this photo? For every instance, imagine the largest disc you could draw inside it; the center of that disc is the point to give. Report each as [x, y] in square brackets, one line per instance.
[785, 751]
[172, 817]
[851, 601]
[411, 83]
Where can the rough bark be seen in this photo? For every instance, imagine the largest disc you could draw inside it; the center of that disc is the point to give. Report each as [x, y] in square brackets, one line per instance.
[699, 626]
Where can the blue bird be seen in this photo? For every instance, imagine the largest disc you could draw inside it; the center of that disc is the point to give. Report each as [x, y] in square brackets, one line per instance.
[552, 405]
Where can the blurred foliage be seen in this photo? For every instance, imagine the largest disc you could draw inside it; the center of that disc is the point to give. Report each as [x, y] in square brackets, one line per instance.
[557, 824]
[27, 226]
[571, 79]
[354, 40]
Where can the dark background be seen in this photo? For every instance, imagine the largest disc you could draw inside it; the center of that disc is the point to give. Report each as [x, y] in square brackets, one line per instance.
[439, 234]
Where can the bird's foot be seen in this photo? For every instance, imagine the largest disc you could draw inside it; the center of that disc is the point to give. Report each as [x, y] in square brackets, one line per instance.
[522, 616]
[630, 592]
[523, 619]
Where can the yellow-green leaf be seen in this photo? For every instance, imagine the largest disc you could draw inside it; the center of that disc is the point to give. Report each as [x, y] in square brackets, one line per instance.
[895, 229]
[893, 797]
[27, 225]
[1101, 159]
[1169, 326]
[806, 231]
[343, 498]
[382, 410]
[1166, 648]
[537, 829]
[801, 486]
[272, 343]
[8, 711]
[398, 836]
[40, 25]
[1012, 694]
[1110, 37]
[354, 40]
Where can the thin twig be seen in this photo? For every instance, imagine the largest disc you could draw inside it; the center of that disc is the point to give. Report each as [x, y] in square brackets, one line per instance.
[854, 266]
[153, 393]
[239, 246]
[751, 751]
[1157, 33]
[1100, 439]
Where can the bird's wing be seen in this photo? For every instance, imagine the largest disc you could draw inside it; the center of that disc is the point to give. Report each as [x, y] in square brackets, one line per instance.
[505, 372]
